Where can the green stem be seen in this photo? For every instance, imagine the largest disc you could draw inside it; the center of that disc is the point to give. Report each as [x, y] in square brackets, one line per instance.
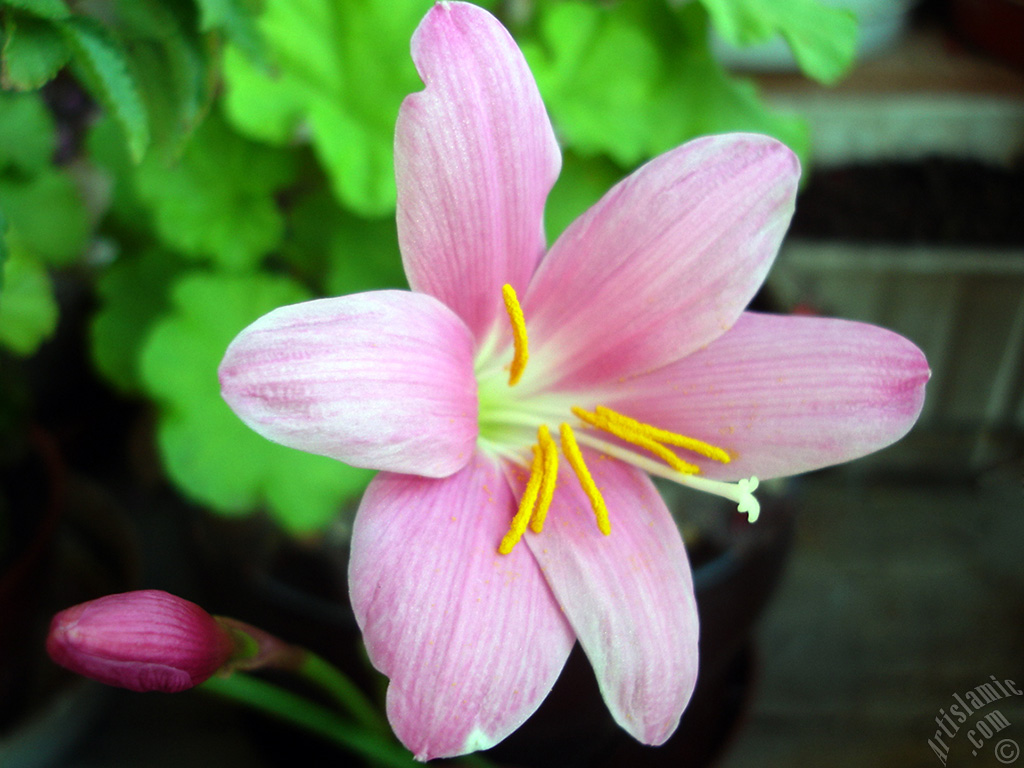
[343, 690]
[375, 744]
[297, 710]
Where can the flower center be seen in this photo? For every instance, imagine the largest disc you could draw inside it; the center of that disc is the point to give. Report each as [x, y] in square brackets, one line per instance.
[505, 424]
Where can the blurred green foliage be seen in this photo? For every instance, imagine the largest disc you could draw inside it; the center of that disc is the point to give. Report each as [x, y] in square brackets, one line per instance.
[28, 311]
[225, 157]
[207, 450]
[342, 71]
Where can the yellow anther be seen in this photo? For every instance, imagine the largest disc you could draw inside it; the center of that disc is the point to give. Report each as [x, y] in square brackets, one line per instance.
[637, 438]
[540, 489]
[515, 317]
[575, 459]
[663, 436]
[651, 438]
[526, 504]
[548, 478]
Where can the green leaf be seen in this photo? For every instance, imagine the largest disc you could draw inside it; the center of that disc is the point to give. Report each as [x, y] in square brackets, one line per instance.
[703, 98]
[33, 53]
[340, 252]
[217, 201]
[581, 183]
[28, 311]
[207, 450]
[4, 250]
[340, 73]
[598, 72]
[667, 90]
[171, 64]
[104, 67]
[48, 9]
[27, 133]
[237, 19]
[47, 216]
[107, 151]
[134, 295]
[364, 256]
[823, 38]
[263, 104]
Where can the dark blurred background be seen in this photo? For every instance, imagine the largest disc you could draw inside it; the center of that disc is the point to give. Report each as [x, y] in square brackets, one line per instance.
[906, 581]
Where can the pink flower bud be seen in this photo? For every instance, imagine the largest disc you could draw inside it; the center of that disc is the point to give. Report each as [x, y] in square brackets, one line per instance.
[147, 640]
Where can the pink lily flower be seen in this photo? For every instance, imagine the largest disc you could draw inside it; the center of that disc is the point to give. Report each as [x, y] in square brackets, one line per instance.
[487, 546]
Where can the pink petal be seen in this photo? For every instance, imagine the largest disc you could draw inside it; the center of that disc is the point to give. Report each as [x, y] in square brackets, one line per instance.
[472, 640]
[381, 380]
[475, 157]
[666, 260]
[786, 394]
[629, 596]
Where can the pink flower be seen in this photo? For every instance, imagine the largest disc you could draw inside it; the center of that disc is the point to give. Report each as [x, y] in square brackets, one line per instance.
[629, 354]
[146, 640]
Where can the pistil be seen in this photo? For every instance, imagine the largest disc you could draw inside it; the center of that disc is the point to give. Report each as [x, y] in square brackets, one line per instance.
[540, 486]
[741, 492]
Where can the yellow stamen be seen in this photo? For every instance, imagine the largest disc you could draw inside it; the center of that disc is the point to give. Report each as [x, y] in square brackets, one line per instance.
[664, 436]
[651, 438]
[540, 489]
[548, 477]
[742, 492]
[515, 317]
[526, 504]
[637, 438]
[575, 459]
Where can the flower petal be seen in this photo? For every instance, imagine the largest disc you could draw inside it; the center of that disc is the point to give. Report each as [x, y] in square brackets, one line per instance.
[629, 596]
[381, 380]
[786, 394]
[472, 640]
[475, 157]
[666, 260]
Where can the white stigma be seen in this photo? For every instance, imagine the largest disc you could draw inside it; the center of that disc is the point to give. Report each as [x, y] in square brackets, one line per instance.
[742, 492]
